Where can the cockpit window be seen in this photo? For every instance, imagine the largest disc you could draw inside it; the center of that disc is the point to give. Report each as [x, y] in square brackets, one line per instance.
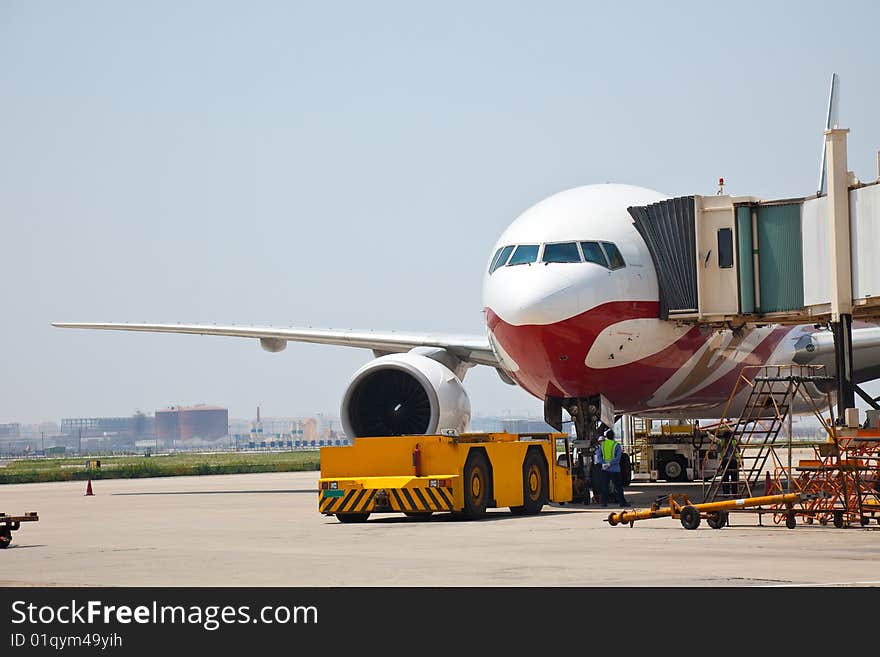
[500, 258]
[561, 252]
[604, 254]
[594, 253]
[495, 257]
[524, 254]
[614, 257]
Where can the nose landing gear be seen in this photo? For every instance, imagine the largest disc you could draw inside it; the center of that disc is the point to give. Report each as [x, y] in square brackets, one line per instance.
[586, 415]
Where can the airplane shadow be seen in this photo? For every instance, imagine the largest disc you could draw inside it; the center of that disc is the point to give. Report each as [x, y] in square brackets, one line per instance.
[311, 491]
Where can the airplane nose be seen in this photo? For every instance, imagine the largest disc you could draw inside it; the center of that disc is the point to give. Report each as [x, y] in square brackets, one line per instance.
[536, 294]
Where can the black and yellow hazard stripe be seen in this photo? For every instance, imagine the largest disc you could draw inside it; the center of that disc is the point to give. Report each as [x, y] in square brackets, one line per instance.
[355, 500]
[362, 500]
[442, 498]
[421, 499]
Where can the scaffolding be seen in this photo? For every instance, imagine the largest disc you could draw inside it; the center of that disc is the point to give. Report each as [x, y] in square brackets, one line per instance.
[844, 478]
[838, 483]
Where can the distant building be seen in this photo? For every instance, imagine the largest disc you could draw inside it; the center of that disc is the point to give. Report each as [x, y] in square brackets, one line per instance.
[10, 430]
[310, 430]
[180, 423]
[128, 429]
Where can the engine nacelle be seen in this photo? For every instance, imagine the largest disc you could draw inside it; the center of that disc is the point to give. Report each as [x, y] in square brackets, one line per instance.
[273, 345]
[403, 394]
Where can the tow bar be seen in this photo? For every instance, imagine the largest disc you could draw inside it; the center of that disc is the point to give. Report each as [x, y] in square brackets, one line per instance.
[9, 524]
[715, 512]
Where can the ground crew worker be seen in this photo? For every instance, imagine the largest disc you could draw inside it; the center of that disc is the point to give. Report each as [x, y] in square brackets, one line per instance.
[610, 451]
[729, 464]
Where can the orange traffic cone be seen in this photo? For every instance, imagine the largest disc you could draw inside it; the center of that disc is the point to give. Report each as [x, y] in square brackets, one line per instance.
[89, 488]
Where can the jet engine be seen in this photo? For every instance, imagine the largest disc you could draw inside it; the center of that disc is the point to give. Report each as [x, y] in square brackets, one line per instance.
[401, 394]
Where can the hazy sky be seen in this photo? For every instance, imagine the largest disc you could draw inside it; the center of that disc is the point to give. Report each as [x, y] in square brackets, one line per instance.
[351, 164]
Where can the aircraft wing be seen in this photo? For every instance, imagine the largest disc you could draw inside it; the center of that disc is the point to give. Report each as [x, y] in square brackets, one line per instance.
[471, 349]
[818, 349]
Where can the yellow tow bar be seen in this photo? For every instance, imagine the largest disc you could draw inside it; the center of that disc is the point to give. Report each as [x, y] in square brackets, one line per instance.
[714, 512]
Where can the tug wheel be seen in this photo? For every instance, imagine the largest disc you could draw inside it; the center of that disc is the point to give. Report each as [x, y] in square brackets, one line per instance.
[534, 473]
[352, 517]
[477, 480]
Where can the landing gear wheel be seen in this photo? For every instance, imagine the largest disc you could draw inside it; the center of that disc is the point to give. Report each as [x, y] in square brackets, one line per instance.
[717, 519]
[534, 473]
[352, 517]
[675, 469]
[809, 520]
[418, 515]
[838, 519]
[790, 520]
[477, 473]
[690, 517]
[5, 538]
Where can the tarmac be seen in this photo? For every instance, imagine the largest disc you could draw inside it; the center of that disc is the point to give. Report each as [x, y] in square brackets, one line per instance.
[264, 530]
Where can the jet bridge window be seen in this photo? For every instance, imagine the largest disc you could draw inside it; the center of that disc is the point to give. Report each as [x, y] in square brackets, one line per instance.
[524, 254]
[500, 258]
[615, 260]
[594, 253]
[561, 252]
[725, 248]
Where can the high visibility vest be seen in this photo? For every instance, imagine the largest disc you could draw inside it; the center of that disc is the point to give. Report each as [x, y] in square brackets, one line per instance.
[608, 449]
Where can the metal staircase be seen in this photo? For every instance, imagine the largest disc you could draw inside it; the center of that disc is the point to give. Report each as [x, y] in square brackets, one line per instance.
[770, 392]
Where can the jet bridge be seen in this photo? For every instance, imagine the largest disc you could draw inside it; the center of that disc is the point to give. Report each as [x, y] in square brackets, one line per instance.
[731, 261]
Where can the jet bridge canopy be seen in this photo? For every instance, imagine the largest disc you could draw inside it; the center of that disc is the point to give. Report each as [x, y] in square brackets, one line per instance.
[668, 229]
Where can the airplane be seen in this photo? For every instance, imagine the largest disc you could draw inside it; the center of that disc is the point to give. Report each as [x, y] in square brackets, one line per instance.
[572, 312]
[571, 306]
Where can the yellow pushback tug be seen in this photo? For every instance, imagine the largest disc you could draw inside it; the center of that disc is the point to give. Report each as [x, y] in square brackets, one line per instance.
[464, 474]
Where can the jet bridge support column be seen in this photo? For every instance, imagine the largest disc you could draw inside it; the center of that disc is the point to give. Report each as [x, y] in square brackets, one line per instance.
[843, 360]
[841, 266]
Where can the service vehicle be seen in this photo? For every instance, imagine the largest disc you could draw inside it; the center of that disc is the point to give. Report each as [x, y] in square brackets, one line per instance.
[464, 474]
[672, 451]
